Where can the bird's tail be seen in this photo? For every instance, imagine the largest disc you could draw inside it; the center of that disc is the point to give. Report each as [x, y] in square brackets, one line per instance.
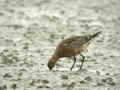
[90, 37]
[96, 34]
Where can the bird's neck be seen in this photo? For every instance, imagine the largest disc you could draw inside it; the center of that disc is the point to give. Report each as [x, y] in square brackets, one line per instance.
[54, 58]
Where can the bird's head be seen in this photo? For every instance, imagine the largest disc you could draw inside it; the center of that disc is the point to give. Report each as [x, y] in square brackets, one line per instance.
[51, 65]
[52, 62]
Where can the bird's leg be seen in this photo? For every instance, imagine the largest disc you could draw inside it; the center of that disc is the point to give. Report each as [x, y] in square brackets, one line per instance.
[74, 58]
[83, 59]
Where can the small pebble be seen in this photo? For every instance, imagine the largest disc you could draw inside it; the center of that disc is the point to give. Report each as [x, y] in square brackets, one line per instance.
[14, 86]
[99, 84]
[40, 86]
[32, 83]
[45, 81]
[7, 75]
[110, 81]
[103, 80]
[43, 86]
[107, 73]
[64, 77]
[82, 82]
[64, 85]
[88, 78]
[98, 73]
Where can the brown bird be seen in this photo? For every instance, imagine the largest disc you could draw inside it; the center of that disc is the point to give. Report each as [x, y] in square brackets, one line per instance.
[70, 47]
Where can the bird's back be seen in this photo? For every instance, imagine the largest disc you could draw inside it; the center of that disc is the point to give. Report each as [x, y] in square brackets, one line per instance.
[77, 41]
[74, 41]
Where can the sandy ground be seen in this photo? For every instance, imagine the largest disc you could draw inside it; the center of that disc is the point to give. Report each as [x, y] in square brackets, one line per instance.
[31, 29]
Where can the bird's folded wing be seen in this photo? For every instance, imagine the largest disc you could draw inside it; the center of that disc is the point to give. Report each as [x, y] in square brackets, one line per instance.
[75, 42]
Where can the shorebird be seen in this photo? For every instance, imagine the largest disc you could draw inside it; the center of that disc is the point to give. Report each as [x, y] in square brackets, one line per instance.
[71, 47]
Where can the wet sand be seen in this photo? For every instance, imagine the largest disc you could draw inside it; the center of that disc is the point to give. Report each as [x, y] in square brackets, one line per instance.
[31, 29]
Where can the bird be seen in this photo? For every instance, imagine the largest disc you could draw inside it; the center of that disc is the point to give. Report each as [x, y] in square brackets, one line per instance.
[70, 47]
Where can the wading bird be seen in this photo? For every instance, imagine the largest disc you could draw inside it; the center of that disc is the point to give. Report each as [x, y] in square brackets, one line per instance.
[71, 47]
